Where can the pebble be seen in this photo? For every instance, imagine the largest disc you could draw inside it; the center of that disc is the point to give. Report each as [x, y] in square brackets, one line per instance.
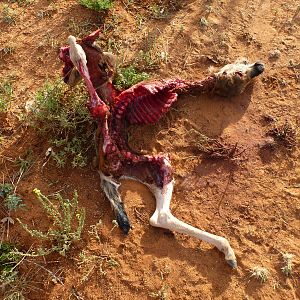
[275, 54]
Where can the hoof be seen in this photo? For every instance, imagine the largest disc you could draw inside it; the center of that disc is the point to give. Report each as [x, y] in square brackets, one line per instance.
[232, 263]
[123, 222]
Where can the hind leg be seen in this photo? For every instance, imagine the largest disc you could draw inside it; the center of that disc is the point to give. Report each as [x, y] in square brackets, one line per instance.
[163, 218]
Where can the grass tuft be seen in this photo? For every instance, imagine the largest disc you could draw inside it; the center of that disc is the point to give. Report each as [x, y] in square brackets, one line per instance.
[260, 273]
[287, 263]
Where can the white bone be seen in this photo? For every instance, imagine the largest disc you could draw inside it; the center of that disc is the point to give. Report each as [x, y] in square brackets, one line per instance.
[77, 54]
[163, 217]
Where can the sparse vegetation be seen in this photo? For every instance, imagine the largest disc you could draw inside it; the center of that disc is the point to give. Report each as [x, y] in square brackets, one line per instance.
[89, 263]
[158, 11]
[10, 281]
[216, 148]
[148, 60]
[260, 273]
[284, 135]
[129, 76]
[80, 29]
[68, 221]
[6, 94]
[287, 263]
[62, 114]
[97, 4]
[22, 2]
[9, 15]
[162, 294]
[7, 49]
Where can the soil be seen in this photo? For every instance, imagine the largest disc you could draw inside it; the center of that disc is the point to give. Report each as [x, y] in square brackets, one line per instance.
[253, 202]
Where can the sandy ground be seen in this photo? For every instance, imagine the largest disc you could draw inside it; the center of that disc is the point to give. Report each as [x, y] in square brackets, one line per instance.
[254, 203]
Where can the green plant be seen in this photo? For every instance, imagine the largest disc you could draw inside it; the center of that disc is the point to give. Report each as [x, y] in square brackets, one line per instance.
[11, 200]
[61, 113]
[97, 4]
[6, 94]
[260, 273]
[129, 76]
[288, 263]
[9, 15]
[68, 221]
[89, 263]
[9, 275]
[5, 189]
[149, 60]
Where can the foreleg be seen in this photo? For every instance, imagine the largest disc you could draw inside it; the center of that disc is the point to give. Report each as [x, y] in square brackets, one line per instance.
[110, 188]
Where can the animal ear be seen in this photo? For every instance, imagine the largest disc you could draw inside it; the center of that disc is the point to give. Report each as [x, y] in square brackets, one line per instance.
[74, 77]
[97, 46]
[108, 64]
[111, 60]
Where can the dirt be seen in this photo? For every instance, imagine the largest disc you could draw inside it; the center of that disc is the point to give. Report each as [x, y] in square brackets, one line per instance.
[253, 202]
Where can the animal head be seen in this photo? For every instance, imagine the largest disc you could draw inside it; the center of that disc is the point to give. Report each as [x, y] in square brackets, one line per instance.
[232, 79]
[101, 65]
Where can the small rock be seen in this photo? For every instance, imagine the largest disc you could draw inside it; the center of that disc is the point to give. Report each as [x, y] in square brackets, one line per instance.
[274, 54]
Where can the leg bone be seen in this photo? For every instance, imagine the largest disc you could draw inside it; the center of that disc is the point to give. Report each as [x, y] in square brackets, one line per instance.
[163, 217]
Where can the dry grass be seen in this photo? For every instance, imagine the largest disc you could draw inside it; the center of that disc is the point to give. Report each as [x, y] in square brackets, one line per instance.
[260, 273]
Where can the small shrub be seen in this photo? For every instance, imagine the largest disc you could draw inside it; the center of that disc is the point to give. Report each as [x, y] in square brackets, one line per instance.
[9, 15]
[5, 189]
[287, 263]
[11, 201]
[61, 113]
[68, 221]
[97, 4]
[10, 281]
[260, 273]
[129, 76]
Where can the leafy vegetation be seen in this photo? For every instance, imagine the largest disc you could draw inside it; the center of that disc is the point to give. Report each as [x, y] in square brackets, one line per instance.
[68, 221]
[11, 200]
[97, 4]
[61, 113]
[129, 76]
[9, 275]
